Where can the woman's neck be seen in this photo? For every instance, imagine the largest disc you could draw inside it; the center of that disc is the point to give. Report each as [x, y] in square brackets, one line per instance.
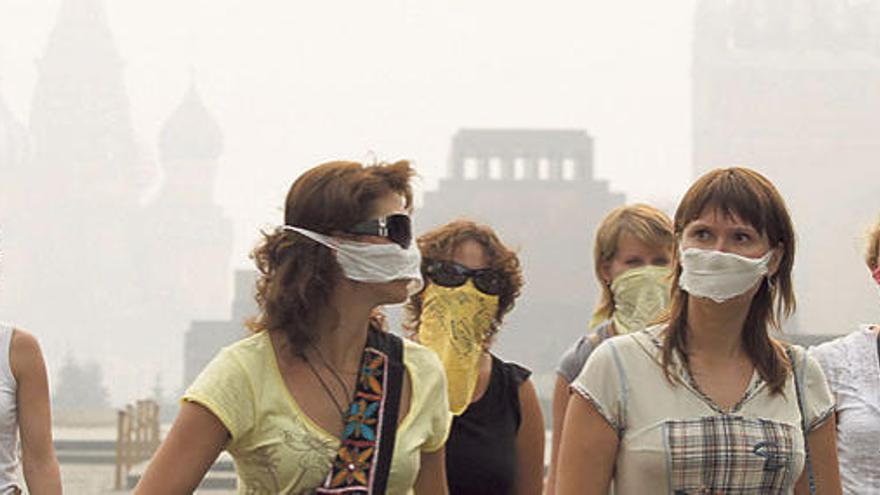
[343, 333]
[715, 329]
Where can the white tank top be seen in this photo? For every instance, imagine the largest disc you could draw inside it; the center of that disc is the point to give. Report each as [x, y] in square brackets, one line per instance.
[8, 416]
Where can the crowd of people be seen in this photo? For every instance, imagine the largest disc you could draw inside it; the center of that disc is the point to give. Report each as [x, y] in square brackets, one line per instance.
[679, 386]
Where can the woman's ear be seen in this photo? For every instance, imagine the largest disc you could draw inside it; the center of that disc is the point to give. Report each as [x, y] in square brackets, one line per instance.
[776, 259]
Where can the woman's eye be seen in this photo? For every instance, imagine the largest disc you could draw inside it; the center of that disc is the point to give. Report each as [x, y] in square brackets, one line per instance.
[742, 237]
[701, 234]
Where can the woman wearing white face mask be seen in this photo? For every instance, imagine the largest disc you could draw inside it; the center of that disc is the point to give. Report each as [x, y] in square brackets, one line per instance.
[320, 399]
[852, 365]
[631, 255]
[708, 402]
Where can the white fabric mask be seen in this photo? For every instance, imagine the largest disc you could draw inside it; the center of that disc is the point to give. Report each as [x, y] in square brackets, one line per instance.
[372, 263]
[720, 276]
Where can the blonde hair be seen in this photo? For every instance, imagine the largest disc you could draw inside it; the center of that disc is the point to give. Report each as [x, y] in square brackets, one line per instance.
[645, 223]
[872, 253]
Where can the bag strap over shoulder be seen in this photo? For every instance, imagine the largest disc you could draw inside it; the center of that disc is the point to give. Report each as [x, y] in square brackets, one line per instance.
[796, 377]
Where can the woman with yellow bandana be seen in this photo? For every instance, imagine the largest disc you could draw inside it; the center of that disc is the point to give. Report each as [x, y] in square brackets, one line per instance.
[632, 252]
[496, 444]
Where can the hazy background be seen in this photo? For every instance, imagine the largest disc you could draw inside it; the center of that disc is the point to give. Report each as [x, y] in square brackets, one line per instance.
[292, 84]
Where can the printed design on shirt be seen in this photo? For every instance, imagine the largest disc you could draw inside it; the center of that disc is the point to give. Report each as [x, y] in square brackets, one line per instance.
[731, 455]
[308, 457]
[314, 453]
[262, 475]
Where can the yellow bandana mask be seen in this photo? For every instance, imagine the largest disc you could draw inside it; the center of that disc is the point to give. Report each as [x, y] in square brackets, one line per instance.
[640, 295]
[455, 323]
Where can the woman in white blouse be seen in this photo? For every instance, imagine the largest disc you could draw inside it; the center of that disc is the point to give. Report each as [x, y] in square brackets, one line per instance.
[852, 365]
[706, 402]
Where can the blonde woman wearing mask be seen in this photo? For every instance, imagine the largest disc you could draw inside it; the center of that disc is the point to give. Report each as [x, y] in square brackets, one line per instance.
[852, 365]
[631, 255]
[708, 402]
[496, 444]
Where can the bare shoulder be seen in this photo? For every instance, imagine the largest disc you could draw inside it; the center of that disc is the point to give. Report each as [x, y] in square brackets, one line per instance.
[24, 341]
[25, 355]
[527, 391]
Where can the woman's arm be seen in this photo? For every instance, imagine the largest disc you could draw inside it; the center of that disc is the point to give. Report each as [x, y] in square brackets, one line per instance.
[39, 464]
[823, 455]
[189, 450]
[588, 451]
[432, 474]
[560, 403]
[529, 442]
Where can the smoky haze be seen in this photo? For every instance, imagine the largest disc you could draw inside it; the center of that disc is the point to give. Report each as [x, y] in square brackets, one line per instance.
[144, 144]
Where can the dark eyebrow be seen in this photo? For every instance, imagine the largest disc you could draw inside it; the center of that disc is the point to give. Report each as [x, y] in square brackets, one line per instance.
[697, 224]
[745, 226]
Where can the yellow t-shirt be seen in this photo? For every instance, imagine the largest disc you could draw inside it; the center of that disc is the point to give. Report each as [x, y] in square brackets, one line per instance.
[278, 449]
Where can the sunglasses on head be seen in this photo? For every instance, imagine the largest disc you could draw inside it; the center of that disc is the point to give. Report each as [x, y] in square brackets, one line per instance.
[396, 227]
[451, 274]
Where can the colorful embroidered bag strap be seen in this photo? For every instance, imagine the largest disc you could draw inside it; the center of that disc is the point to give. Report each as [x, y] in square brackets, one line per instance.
[363, 460]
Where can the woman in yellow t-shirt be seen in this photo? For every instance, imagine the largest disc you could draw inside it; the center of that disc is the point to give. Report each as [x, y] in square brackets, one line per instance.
[320, 399]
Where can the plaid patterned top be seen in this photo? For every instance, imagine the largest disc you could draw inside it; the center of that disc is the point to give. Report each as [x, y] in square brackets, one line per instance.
[675, 436]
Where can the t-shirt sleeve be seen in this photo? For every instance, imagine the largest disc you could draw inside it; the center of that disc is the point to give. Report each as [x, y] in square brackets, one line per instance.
[224, 388]
[817, 401]
[516, 376]
[573, 360]
[601, 383]
[830, 358]
[429, 388]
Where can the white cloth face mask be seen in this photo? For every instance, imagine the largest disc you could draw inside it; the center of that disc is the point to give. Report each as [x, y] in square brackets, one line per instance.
[372, 263]
[720, 276]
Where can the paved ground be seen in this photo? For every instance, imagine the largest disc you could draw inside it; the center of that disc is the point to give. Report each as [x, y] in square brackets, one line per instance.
[98, 480]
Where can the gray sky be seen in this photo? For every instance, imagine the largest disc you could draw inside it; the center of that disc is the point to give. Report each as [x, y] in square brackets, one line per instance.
[295, 83]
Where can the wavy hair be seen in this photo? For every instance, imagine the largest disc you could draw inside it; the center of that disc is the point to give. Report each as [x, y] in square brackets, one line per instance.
[297, 275]
[441, 243]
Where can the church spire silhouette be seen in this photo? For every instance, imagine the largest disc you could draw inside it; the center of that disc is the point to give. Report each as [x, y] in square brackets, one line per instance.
[80, 116]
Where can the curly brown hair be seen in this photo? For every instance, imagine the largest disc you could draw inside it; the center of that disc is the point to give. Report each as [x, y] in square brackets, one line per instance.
[297, 275]
[441, 243]
[751, 197]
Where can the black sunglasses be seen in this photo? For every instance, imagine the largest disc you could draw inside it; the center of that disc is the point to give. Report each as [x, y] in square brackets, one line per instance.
[451, 274]
[396, 227]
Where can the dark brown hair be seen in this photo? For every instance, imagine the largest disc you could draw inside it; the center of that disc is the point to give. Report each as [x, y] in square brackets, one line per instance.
[441, 243]
[749, 196]
[297, 275]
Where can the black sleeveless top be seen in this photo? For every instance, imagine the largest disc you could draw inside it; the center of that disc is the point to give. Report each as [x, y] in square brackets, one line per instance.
[481, 450]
